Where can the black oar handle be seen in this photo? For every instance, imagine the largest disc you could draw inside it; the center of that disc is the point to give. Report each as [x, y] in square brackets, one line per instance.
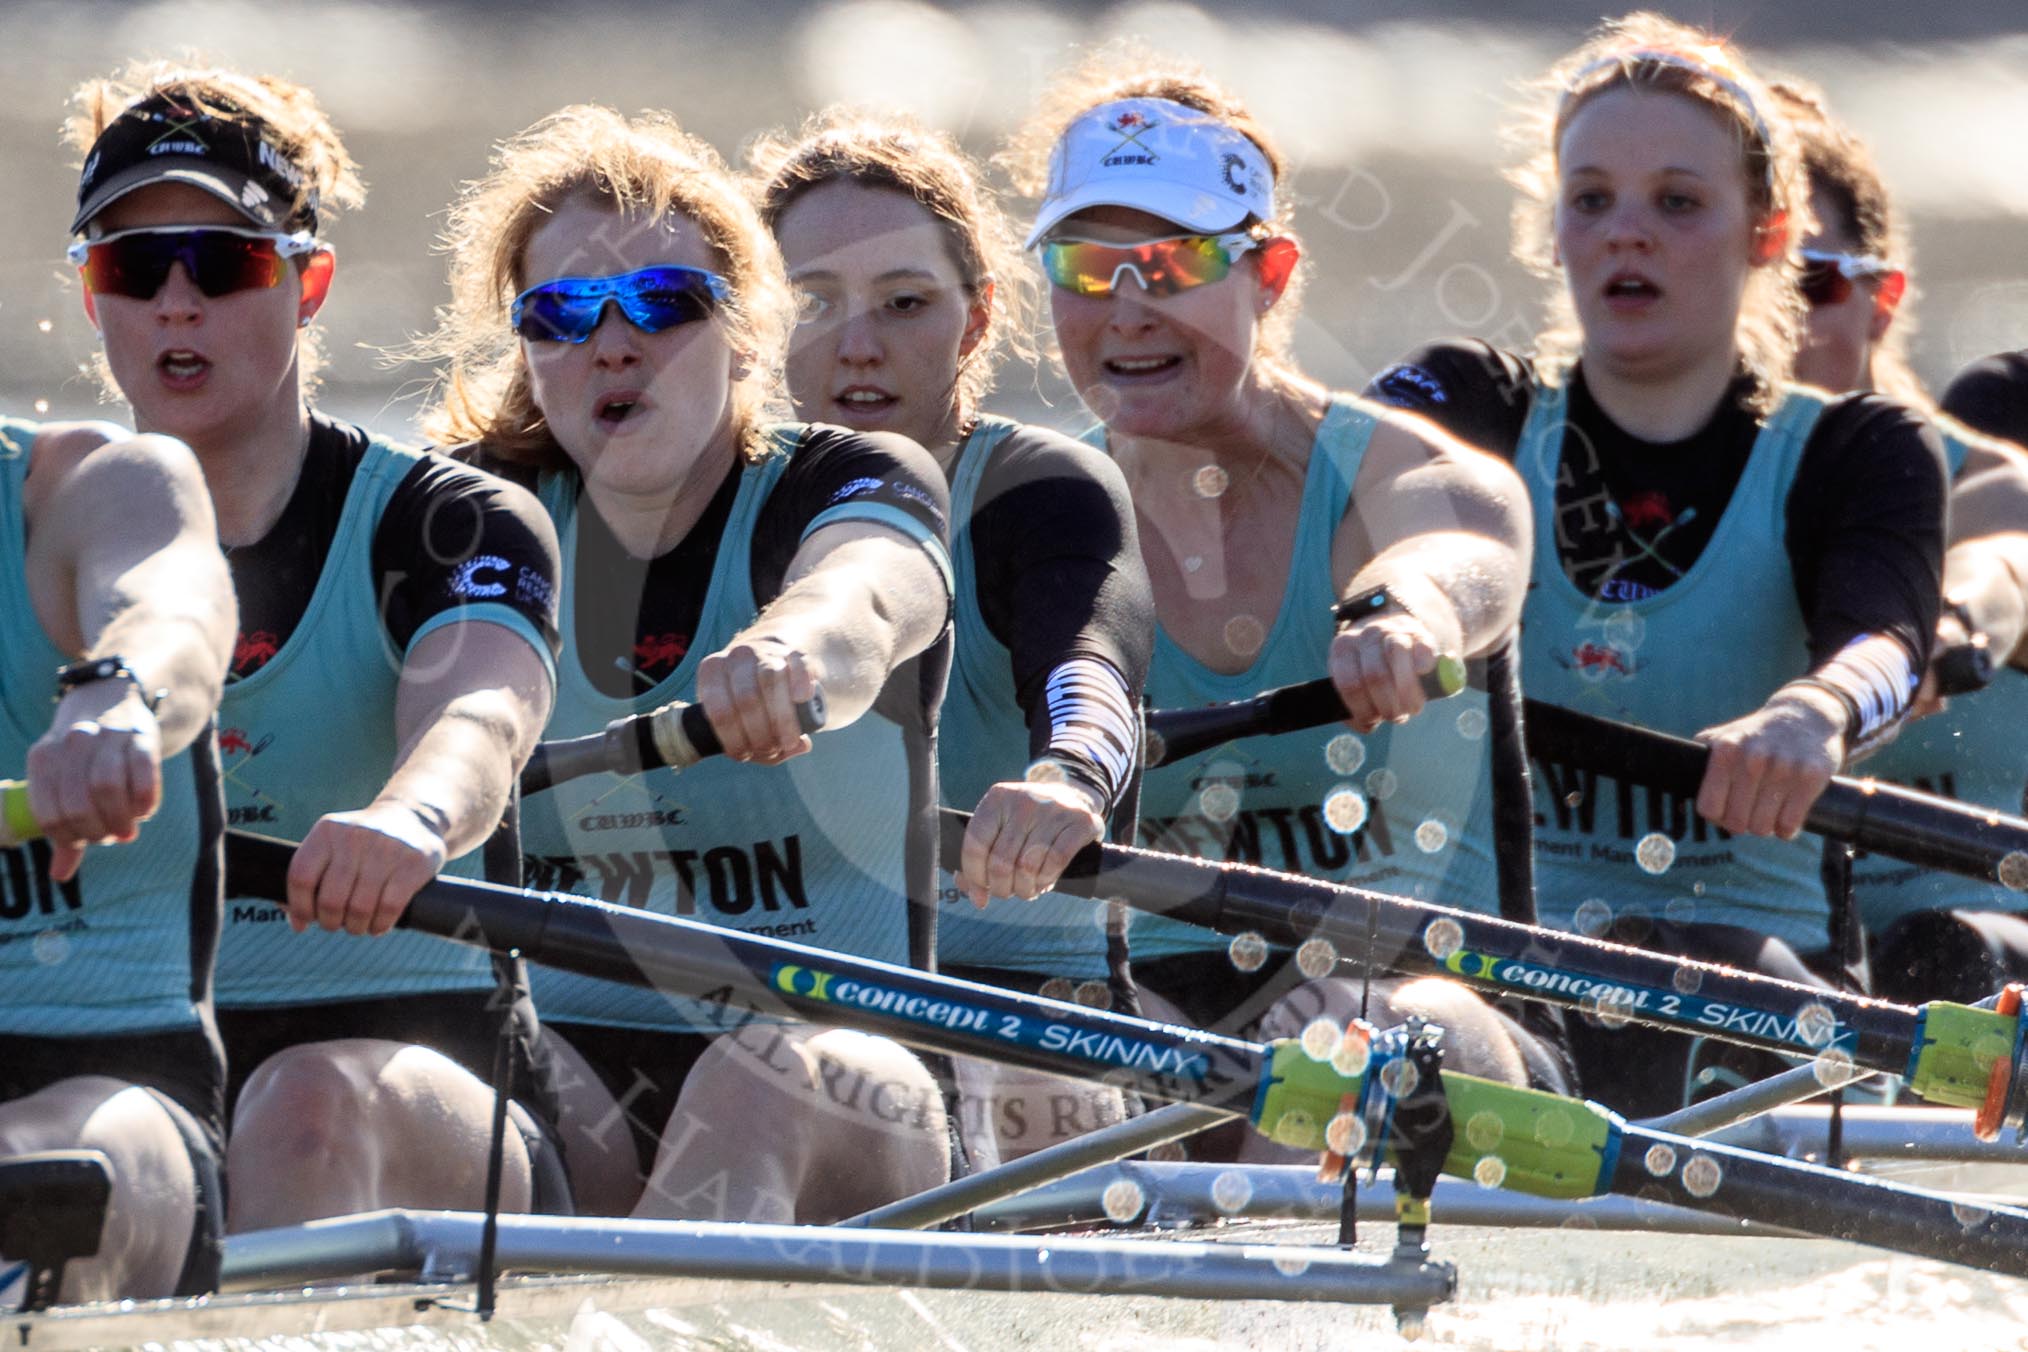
[676, 735]
[1176, 733]
[1887, 819]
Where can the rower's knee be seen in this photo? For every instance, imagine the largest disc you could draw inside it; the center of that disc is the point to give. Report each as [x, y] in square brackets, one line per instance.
[1476, 1040]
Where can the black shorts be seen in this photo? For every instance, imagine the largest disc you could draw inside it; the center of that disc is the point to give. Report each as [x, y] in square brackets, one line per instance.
[463, 1025]
[642, 1069]
[185, 1072]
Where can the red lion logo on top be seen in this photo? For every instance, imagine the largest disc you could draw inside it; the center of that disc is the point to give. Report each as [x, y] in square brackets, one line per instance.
[253, 651]
[660, 650]
[1599, 660]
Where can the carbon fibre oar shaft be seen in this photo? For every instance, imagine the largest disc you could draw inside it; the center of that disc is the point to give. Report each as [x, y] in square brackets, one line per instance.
[1946, 1051]
[1886, 819]
[1523, 1139]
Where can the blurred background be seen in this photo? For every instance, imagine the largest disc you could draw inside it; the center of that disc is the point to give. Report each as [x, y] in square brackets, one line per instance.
[1390, 110]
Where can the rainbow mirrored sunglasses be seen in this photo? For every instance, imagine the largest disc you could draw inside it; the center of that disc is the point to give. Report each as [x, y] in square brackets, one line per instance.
[220, 259]
[1828, 278]
[568, 309]
[1163, 267]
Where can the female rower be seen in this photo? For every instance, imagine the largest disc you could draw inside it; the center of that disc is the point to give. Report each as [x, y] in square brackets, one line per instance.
[1288, 531]
[393, 661]
[1717, 551]
[116, 600]
[1936, 935]
[909, 280]
[615, 335]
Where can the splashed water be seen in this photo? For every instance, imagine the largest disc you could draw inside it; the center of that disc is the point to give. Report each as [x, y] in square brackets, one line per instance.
[1702, 1176]
[1660, 1160]
[1431, 835]
[1443, 937]
[1344, 753]
[1317, 958]
[1123, 1201]
[1210, 481]
[1381, 784]
[1248, 951]
[1321, 1038]
[1231, 1191]
[1490, 1171]
[1218, 802]
[1593, 917]
[1344, 810]
[1472, 724]
[1655, 853]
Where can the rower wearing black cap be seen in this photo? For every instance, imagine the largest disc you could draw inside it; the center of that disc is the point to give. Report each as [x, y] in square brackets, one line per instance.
[393, 663]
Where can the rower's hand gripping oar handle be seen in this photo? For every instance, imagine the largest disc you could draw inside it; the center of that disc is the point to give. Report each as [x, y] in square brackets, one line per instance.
[17, 821]
[676, 735]
[1902, 823]
[1176, 733]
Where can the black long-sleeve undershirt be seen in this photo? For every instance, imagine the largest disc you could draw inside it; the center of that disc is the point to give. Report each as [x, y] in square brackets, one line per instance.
[1864, 517]
[1059, 571]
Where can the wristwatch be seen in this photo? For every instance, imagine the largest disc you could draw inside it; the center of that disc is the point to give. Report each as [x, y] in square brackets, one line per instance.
[1365, 605]
[1964, 667]
[95, 669]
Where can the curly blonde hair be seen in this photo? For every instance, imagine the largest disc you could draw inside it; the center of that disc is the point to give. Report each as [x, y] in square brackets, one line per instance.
[895, 152]
[643, 166]
[1646, 51]
[290, 119]
[1129, 69]
[1841, 169]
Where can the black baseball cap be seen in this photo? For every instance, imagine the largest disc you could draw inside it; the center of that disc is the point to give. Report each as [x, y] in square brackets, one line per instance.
[167, 139]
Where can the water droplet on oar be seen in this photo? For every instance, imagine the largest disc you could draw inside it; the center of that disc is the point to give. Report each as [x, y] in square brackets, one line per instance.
[1432, 835]
[1218, 802]
[1660, 1160]
[1344, 810]
[1210, 481]
[1400, 1078]
[1345, 1134]
[1381, 784]
[1291, 1264]
[1834, 1067]
[1702, 1176]
[1353, 1056]
[1970, 1215]
[1231, 1191]
[1248, 951]
[1615, 1008]
[1680, 911]
[1123, 1201]
[1490, 1172]
[1443, 937]
[1655, 852]
[1816, 1025]
[1687, 980]
[1321, 1038]
[1472, 724]
[2013, 871]
[1485, 1131]
[1593, 917]
[1344, 753]
[1317, 958]
[1094, 995]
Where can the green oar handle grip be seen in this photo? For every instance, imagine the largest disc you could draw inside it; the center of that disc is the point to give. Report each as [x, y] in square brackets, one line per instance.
[17, 821]
[1176, 733]
[1539, 1143]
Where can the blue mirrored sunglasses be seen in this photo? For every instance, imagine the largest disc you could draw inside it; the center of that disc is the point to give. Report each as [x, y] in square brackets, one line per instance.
[568, 309]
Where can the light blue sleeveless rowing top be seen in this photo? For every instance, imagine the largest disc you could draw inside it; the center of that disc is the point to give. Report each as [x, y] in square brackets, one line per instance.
[1711, 647]
[1403, 809]
[312, 732]
[982, 739]
[815, 850]
[126, 945]
[1976, 751]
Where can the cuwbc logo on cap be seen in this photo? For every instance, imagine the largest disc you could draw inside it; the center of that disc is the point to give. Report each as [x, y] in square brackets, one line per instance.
[1132, 125]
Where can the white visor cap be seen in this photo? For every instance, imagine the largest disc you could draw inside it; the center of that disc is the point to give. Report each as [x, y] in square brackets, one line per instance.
[1160, 157]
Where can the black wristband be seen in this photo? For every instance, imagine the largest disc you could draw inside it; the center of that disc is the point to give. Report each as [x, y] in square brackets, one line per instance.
[92, 670]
